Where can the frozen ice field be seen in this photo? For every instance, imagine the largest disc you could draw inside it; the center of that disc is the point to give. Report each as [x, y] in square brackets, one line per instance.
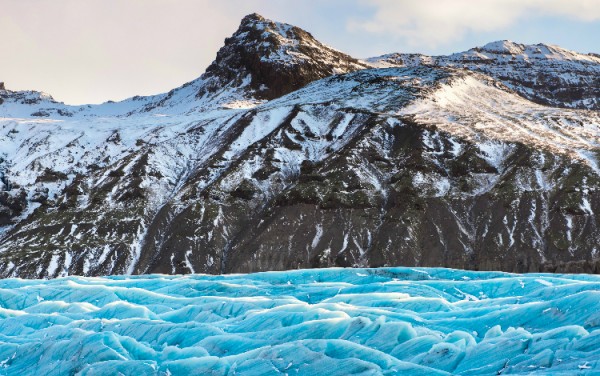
[308, 322]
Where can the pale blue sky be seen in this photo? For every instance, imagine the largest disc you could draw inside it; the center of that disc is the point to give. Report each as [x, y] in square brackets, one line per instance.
[95, 50]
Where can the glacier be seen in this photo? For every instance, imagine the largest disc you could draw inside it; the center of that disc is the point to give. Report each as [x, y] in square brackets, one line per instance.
[380, 321]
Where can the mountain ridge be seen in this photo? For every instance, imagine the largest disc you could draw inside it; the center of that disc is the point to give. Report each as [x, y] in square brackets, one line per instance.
[275, 29]
[261, 53]
[543, 73]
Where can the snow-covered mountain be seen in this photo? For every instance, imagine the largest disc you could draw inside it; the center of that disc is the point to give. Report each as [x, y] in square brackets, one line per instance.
[287, 153]
[546, 74]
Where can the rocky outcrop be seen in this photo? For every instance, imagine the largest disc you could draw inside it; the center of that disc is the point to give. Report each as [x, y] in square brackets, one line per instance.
[272, 59]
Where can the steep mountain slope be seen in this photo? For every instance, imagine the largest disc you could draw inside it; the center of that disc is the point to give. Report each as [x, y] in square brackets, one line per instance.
[373, 184]
[251, 167]
[52, 152]
[544, 73]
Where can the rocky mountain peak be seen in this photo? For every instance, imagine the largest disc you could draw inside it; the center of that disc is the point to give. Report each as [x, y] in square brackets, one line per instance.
[270, 59]
[504, 47]
[252, 18]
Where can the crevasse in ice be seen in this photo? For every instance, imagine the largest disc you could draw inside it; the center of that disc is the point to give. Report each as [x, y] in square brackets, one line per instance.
[413, 321]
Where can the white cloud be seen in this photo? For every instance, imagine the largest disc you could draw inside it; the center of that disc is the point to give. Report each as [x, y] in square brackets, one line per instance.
[435, 22]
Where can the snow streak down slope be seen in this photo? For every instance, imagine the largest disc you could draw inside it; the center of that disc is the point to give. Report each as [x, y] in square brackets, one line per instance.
[410, 166]
[338, 321]
[473, 107]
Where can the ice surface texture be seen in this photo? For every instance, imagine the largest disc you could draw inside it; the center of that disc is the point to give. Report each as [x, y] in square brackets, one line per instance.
[306, 322]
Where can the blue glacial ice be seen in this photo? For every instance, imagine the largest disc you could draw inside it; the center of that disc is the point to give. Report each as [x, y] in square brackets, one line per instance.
[413, 321]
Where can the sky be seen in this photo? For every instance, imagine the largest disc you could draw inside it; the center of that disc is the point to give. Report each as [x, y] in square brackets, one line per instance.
[91, 51]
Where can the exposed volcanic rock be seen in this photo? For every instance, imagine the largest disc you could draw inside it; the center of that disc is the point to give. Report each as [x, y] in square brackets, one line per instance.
[543, 73]
[275, 58]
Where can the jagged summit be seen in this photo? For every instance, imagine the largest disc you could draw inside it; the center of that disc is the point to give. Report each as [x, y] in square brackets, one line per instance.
[503, 46]
[273, 59]
[252, 17]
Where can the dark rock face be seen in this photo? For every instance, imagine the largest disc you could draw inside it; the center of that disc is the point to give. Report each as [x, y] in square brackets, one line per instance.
[40, 114]
[276, 58]
[13, 200]
[12, 205]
